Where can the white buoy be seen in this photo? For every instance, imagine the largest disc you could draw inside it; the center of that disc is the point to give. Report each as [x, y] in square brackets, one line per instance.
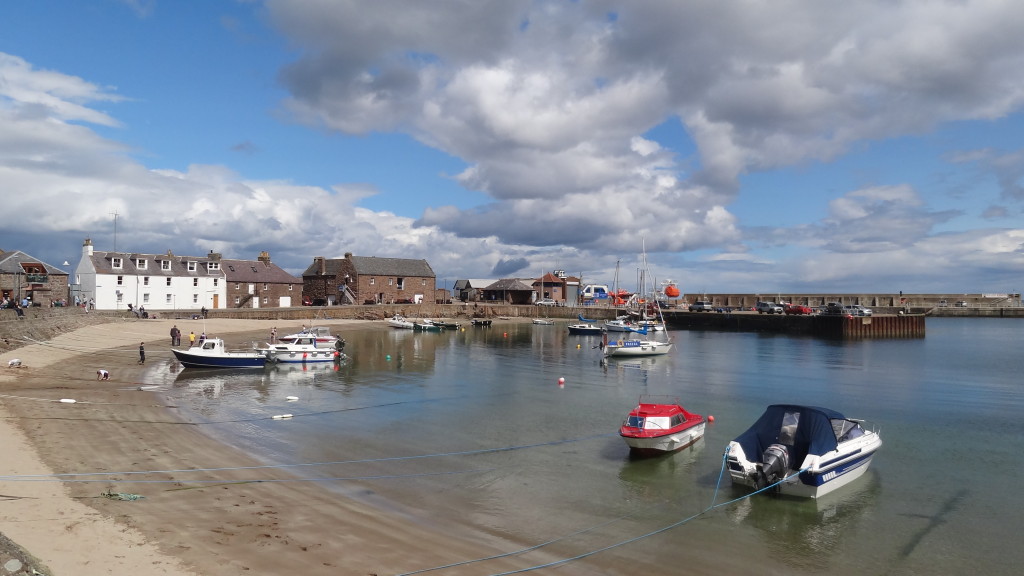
[68, 400]
[291, 398]
[282, 416]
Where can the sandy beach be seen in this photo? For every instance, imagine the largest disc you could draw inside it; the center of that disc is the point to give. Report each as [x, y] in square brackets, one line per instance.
[182, 527]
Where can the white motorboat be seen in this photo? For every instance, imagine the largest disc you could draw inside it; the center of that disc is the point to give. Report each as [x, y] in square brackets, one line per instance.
[322, 334]
[620, 324]
[305, 349]
[399, 321]
[803, 451]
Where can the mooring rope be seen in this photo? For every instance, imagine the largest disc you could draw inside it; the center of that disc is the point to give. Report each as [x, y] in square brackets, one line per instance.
[710, 507]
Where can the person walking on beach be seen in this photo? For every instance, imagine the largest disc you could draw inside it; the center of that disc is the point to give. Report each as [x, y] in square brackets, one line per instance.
[175, 335]
[273, 334]
[142, 353]
[191, 339]
[102, 374]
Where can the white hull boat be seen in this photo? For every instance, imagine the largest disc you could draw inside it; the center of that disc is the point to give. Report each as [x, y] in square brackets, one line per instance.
[401, 322]
[305, 349]
[803, 451]
[660, 425]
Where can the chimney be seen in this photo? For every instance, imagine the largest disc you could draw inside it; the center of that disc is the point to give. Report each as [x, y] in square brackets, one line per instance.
[265, 258]
[321, 266]
[87, 247]
[348, 255]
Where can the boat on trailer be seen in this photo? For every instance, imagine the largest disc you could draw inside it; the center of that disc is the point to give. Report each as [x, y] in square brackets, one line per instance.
[659, 424]
[804, 451]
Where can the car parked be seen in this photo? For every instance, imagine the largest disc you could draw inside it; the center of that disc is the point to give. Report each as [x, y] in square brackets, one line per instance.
[857, 310]
[546, 302]
[833, 309]
[768, 308]
[797, 309]
[702, 306]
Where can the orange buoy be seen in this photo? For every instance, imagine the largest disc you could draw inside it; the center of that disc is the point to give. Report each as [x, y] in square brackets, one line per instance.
[711, 418]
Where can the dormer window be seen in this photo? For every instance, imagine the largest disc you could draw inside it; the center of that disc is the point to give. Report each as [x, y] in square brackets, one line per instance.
[192, 266]
[211, 266]
[115, 263]
[165, 264]
[141, 263]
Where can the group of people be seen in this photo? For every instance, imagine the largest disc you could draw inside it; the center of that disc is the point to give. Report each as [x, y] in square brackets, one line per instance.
[176, 337]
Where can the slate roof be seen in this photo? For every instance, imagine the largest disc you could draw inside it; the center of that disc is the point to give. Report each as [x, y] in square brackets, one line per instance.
[256, 271]
[509, 285]
[373, 266]
[103, 263]
[10, 263]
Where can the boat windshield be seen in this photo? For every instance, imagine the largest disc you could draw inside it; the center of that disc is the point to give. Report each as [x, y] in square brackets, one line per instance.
[846, 429]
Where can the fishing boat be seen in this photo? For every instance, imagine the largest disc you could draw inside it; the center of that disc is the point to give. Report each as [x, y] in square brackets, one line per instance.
[448, 324]
[213, 353]
[543, 321]
[481, 321]
[803, 451]
[322, 334]
[305, 349]
[399, 321]
[586, 327]
[659, 424]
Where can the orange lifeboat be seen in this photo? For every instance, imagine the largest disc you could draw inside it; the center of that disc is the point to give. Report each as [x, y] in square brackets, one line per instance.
[671, 291]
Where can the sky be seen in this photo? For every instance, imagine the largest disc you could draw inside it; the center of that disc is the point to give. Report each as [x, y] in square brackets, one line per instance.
[744, 146]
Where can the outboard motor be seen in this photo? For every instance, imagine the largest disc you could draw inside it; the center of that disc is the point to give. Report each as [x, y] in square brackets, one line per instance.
[773, 467]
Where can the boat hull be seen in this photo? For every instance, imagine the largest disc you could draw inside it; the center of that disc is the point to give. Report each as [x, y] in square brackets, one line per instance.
[626, 348]
[226, 360]
[584, 329]
[672, 441]
[828, 465]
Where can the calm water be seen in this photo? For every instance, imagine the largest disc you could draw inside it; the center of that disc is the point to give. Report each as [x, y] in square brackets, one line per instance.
[513, 453]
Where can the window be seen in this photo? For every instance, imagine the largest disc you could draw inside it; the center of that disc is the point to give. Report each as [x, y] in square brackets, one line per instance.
[266, 286]
[168, 281]
[120, 297]
[391, 282]
[254, 269]
[215, 281]
[195, 282]
[145, 280]
[167, 299]
[238, 285]
[401, 283]
[145, 298]
[266, 300]
[120, 280]
[191, 266]
[195, 298]
[290, 287]
[372, 281]
[211, 266]
[238, 300]
[423, 282]
[165, 264]
[115, 263]
[141, 264]
[230, 267]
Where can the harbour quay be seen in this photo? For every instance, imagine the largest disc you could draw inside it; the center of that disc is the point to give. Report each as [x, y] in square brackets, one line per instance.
[818, 325]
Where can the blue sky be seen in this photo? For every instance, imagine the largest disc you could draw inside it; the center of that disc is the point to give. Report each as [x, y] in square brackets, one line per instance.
[767, 147]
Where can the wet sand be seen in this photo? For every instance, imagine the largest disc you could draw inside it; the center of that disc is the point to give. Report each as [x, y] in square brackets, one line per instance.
[182, 527]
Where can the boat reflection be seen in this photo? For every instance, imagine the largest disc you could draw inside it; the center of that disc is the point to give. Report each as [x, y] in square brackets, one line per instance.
[805, 530]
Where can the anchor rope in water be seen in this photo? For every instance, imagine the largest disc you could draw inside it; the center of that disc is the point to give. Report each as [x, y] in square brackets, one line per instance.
[710, 507]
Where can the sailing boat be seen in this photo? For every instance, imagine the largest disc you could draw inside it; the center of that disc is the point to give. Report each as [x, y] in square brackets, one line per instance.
[634, 346]
[540, 300]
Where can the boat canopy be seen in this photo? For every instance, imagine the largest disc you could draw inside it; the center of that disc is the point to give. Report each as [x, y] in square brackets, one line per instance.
[802, 429]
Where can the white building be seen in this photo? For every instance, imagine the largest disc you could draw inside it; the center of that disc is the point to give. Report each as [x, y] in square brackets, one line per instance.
[112, 280]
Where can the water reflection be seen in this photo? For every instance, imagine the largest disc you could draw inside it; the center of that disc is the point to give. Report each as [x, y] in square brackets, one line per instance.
[805, 532]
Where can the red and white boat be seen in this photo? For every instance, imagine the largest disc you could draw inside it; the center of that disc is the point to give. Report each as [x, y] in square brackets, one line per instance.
[659, 425]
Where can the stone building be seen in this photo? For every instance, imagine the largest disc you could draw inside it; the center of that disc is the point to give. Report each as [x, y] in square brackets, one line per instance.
[367, 280]
[25, 277]
[260, 284]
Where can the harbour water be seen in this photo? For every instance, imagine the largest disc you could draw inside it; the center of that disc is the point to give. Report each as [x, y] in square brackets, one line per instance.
[473, 426]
